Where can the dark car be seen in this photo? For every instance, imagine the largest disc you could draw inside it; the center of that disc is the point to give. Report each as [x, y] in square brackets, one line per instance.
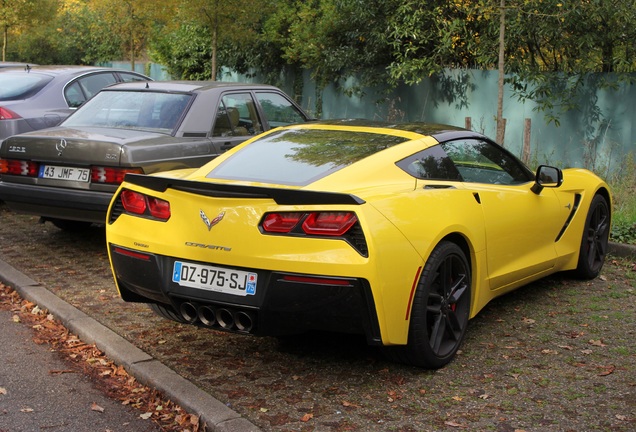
[67, 174]
[37, 97]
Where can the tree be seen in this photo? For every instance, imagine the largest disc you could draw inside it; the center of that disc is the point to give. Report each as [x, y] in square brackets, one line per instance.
[125, 24]
[227, 24]
[17, 16]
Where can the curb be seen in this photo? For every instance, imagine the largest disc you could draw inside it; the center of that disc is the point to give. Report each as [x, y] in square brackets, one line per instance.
[214, 414]
[622, 250]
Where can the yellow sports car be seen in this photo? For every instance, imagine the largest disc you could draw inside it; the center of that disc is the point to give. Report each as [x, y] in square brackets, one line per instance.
[398, 232]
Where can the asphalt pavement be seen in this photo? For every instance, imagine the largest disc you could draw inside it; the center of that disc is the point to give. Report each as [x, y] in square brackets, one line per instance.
[38, 391]
[33, 399]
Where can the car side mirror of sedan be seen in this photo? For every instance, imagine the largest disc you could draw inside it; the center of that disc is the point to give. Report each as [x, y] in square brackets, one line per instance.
[547, 176]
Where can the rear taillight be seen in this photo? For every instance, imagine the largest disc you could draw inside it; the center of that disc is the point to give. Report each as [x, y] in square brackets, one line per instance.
[143, 205]
[7, 114]
[333, 224]
[281, 222]
[18, 167]
[111, 175]
[329, 223]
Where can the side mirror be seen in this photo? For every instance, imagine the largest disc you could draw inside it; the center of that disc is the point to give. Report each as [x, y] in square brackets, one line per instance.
[547, 176]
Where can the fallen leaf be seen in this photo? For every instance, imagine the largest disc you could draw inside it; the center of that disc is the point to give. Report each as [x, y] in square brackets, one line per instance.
[457, 398]
[307, 417]
[145, 416]
[264, 410]
[455, 424]
[95, 407]
[484, 396]
[607, 370]
[598, 343]
[528, 321]
[26, 410]
[15, 318]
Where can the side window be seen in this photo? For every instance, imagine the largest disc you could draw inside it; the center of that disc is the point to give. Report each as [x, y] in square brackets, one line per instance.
[432, 163]
[236, 116]
[129, 77]
[91, 84]
[74, 95]
[278, 110]
[480, 161]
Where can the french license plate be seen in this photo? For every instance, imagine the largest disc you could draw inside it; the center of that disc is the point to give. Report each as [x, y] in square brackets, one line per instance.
[216, 279]
[65, 173]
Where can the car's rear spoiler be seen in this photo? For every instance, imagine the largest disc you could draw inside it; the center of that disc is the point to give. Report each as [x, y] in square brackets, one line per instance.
[281, 196]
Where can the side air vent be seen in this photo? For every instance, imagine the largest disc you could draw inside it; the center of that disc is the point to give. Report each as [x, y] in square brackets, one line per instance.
[575, 207]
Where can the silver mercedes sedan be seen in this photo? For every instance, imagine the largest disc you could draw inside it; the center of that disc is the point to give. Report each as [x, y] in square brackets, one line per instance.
[37, 97]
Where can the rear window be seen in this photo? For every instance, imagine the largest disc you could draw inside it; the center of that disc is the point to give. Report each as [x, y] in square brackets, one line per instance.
[150, 111]
[300, 156]
[23, 85]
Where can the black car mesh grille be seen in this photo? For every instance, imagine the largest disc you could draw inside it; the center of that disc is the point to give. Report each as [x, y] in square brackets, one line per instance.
[116, 210]
[356, 238]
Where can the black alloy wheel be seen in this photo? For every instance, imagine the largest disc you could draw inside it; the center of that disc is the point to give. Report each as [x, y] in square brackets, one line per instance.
[595, 239]
[440, 309]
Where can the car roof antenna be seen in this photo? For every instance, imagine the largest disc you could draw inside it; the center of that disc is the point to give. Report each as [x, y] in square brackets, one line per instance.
[147, 86]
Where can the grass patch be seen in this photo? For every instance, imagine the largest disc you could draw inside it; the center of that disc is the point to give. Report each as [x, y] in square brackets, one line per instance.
[623, 185]
[622, 351]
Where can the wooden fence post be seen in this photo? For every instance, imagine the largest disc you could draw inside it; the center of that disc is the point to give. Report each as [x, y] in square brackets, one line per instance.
[526, 141]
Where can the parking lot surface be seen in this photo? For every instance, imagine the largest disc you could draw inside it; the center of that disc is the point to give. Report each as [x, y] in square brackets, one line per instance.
[558, 355]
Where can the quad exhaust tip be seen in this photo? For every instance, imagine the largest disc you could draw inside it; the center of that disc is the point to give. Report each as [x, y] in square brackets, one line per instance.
[224, 318]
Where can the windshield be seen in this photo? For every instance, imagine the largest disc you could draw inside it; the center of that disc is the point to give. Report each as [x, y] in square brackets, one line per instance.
[142, 110]
[21, 85]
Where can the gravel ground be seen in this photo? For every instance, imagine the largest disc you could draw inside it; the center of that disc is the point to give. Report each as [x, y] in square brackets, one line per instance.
[557, 355]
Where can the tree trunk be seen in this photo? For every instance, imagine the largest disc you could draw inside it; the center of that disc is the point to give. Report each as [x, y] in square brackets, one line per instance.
[501, 126]
[5, 40]
[214, 48]
[132, 50]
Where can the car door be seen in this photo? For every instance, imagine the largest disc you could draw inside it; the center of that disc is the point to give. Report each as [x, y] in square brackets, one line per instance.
[237, 120]
[521, 226]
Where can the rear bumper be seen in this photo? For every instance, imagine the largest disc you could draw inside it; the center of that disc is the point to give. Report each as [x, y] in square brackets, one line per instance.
[280, 306]
[58, 203]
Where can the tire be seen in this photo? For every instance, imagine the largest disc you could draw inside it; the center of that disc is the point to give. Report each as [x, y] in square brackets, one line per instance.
[166, 311]
[440, 310]
[70, 225]
[594, 239]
